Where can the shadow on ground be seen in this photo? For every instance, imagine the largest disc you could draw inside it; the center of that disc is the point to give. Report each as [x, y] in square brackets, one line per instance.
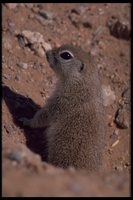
[20, 106]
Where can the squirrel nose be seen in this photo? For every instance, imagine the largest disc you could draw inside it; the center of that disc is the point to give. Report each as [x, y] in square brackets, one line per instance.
[49, 54]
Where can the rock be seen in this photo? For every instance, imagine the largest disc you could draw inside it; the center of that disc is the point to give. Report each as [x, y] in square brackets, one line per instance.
[7, 76]
[102, 45]
[36, 41]
[108, 95]
[41, 48]
[76, 11]
[18, 151]
[123, 114]
[94, 50]
[74, 18]
[126, 95]
[116, 132]
[46, 46]
[22, 65]
[31, 16]
[18, 78]
[77, 18]
[101, 12]
[46, 14]
[32, 37]
[21, 40]
[123, 118]
[120, 30]
[119, 168]
[43, 21]
[36, 47]
[17, 156]
[114, 136]
[9, 129]
[111, 124]
[11, 5]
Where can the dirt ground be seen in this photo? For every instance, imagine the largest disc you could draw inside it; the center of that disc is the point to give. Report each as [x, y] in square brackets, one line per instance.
[28, 31]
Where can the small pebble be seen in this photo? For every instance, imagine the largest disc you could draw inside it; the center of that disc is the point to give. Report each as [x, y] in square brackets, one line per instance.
[119, 168]
[115, 143]
[110, 151]
[94, 51]
[108, 95]
[123, 118]
[116, 131]
[23, 65]
[17, 77]
[17, 156]
[6, 76]
[113, 136]
[120, 30]
[111, 124]
[127, 164]
[9, 129]
[21, 40]
[102, 45]
[31, 16]
[126, 94]
[11, 68]
[46, 15]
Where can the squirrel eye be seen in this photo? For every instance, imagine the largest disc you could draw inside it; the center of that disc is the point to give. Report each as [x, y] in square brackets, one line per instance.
[66, 55]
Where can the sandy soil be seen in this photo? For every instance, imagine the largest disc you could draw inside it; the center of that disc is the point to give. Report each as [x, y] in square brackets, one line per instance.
[28, 31]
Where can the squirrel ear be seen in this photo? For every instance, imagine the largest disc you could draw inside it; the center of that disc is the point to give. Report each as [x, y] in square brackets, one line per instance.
[82, 67]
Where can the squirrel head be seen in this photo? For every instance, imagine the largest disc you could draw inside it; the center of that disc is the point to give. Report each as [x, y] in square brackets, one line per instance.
[70, 62]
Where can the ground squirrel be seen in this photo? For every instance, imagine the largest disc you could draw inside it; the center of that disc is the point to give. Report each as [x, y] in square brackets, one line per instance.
[74, 112]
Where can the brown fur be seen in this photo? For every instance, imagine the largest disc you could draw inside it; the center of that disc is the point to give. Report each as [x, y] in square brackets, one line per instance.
[74, 112]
